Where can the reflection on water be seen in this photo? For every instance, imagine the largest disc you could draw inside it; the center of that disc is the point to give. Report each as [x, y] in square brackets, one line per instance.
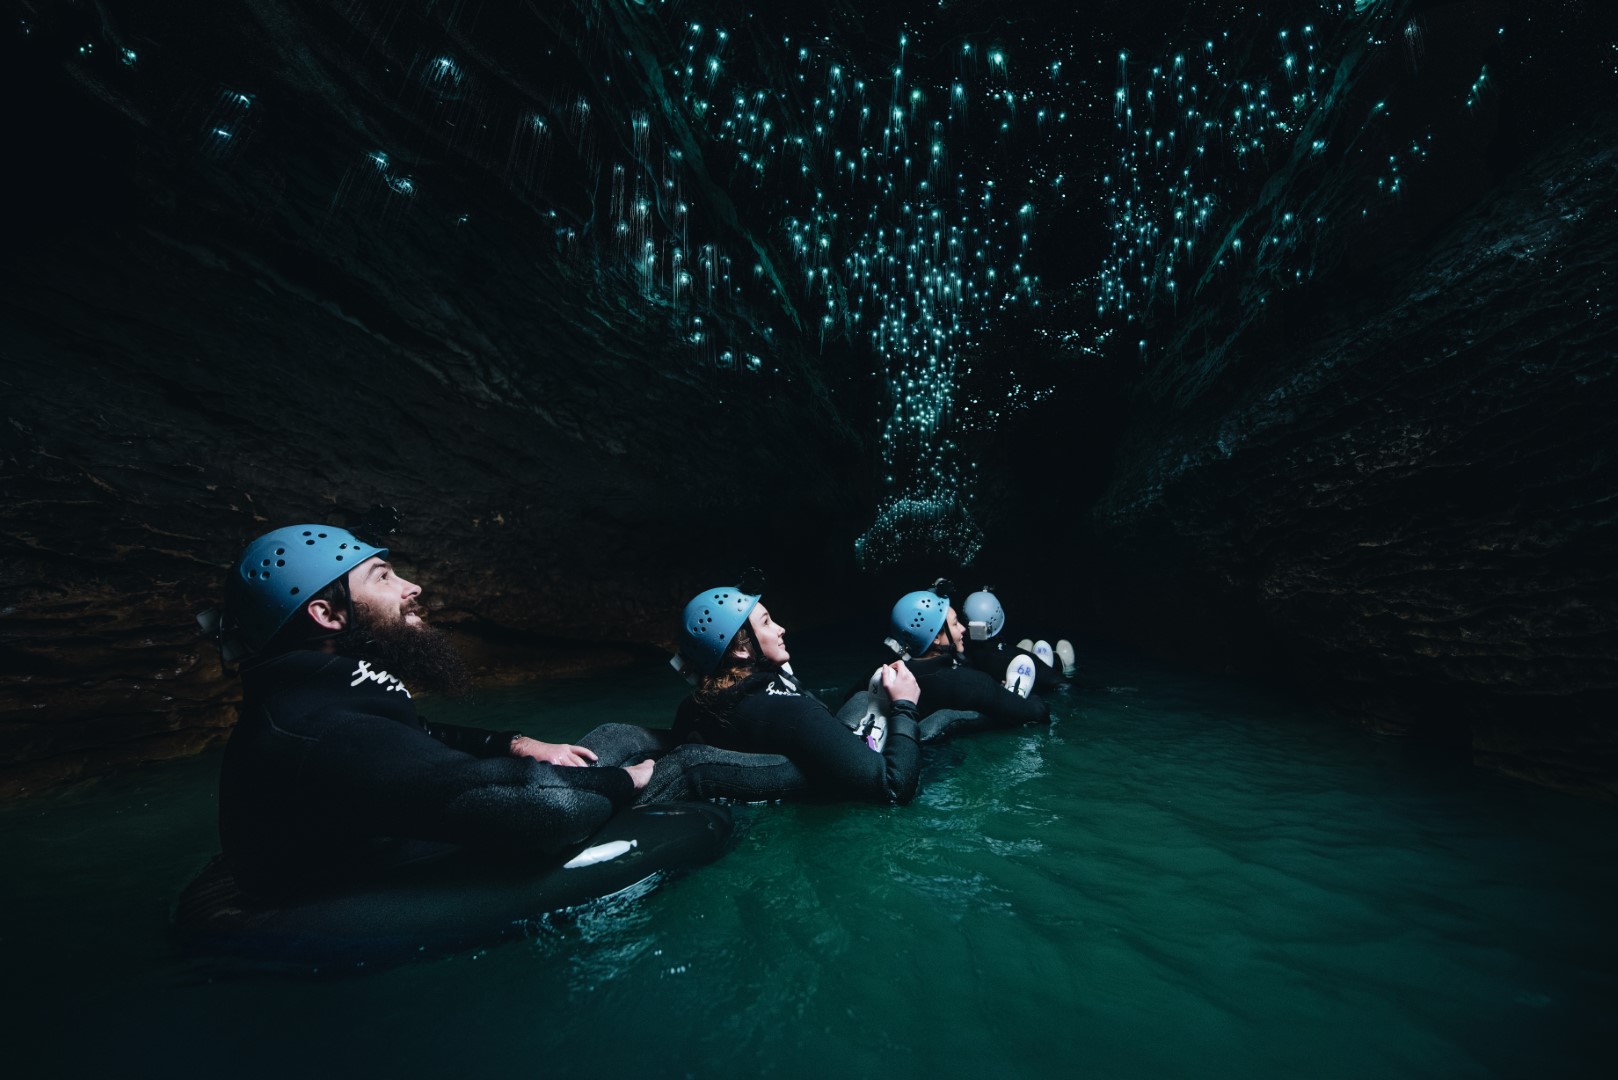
[1181, 876]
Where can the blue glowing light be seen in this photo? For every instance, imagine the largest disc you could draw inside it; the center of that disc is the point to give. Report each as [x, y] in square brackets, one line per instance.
[888, 236]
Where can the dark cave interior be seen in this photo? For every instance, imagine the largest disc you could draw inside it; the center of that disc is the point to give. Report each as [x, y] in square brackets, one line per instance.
[1271, 340]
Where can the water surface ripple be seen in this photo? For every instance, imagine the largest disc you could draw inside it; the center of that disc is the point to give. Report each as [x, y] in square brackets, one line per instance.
[1181, 877]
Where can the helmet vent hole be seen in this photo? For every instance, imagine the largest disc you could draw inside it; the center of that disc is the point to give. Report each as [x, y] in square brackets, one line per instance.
[294, 590]
[339, 558]
[266, 562]
[280, 562]
[311, 543]
[280, 551]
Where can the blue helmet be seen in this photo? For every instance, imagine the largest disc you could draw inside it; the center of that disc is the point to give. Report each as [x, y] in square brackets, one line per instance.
[983, 607]
[281, 570]
[916, 620]
[711, 620]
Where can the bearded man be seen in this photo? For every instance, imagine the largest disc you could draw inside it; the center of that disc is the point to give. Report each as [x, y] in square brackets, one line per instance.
[330, 778]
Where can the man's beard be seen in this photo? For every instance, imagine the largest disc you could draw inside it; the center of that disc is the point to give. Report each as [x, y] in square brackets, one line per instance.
[419, 655]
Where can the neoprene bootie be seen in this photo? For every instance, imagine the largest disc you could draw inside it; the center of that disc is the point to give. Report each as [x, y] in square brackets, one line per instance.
[873, 727]
[1064, 649]
[1020, 676]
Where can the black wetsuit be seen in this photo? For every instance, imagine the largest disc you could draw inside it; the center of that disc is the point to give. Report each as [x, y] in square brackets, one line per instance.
[957, 699]
[992, 657]
[695, 770]
[769, 713]
[330, 778]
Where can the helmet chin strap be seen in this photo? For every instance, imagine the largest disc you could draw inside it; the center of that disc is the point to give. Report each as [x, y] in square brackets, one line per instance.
[350, 620]
[949, 636]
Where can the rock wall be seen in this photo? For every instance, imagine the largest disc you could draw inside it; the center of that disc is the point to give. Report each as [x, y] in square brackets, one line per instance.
[1407, 500]
[198, 347]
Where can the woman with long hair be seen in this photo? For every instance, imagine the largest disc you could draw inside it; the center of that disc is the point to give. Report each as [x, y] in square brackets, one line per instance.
[926, 632]
[748, 699]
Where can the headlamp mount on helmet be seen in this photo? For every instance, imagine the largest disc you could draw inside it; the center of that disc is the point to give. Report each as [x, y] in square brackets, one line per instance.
[983, 614]
[218, 627]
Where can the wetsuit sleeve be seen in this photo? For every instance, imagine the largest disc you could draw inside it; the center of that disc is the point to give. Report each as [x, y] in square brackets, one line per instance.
[479, 742]
[971, 690]
[803, 729]
[947, 723]
[386, 779]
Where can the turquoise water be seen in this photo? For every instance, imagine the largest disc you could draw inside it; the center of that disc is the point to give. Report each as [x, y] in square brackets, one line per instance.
[1181, 877]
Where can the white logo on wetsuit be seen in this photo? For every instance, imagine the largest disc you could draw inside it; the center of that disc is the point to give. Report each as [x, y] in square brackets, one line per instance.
[782, 686]
[364, 673]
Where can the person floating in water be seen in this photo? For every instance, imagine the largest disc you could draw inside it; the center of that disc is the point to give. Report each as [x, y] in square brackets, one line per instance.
[926, 632]
[986, 651]
[748, 699]
[330, 777]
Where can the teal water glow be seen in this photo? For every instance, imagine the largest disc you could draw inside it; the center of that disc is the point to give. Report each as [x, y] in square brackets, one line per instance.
[1182, 877]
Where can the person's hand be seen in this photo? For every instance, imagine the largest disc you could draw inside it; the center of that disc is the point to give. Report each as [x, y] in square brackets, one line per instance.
[552, 753]
[900, 684]
[641, 774]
